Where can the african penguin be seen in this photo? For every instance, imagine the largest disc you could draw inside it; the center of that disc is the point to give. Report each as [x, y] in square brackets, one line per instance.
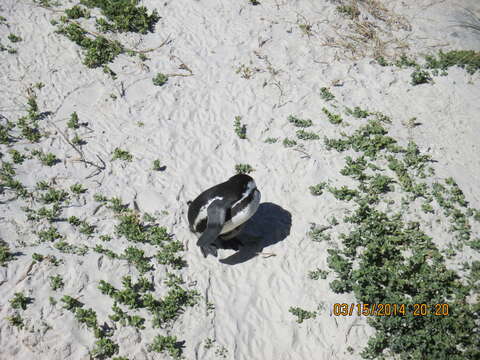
[220, 212]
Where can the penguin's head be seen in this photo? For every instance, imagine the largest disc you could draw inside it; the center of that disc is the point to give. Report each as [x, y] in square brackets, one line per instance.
[244, 182]
[241, 178]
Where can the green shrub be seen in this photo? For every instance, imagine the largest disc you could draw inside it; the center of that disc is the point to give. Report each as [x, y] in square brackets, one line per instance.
[370, 139]
[318, 234]
[20, 301]
[307, 135]
[53, 196]
[87, 317]
[348, 10]
[160, 79]
[71, 303]
[317, 274]
[137, 257]
[167, 344]
[466, 59]
[157, 166]
[123, 16]
[56, 282]
[73, 123]
[77, 189]
[5, 136]
[14, 38]
[77, 12]
[383, 259]
[49, 235]
[333, 118]
[289, 142]
[98, 51]
[243, 169]
[168, 255]
[317, 189]
[16, 320]
[48, 159]
[5, 254]
[299, 122]
[104, 348]
[17, 157]
[101, 250]
[101, 51]
[326, 95]
[302, 314]
[358, 113]
[121, 154]
[420, 77]
[37, 257]
[240, 129]
[404, 61]
[68, 248]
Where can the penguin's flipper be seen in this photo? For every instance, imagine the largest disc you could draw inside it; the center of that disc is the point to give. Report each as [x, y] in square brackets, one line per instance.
[216, 213]
[210, 249]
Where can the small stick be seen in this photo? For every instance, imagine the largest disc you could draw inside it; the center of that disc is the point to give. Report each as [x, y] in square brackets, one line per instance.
[27, 272]
[265, 255]
[100, 168]
[306, 155]
[183, 75]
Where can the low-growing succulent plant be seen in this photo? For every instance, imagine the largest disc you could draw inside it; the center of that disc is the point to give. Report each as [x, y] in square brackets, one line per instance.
[14, 38]
[56, 282]
[167, 344]
[302, 314]
[121, 154]
[5, 254]
[289, 142]
[420, 77]
[160, 79]
[20, 301]
[333, 118]
[240, 129]
[271, 140]
[317, 274]
[16, 320]
[243, 169]
[325, 94]
[307, 135]
[299, 122]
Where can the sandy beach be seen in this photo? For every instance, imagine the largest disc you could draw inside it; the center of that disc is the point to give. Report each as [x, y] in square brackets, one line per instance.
[273, 66]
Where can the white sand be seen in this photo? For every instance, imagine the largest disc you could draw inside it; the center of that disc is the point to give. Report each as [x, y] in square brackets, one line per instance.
[188, 125]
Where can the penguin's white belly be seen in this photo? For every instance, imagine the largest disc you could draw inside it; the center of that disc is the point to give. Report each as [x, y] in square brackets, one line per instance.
[243, 215]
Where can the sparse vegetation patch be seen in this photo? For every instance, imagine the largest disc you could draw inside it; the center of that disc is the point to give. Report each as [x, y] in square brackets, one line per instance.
[299, 122]
[436, 64]
[117, 16]
[122, 155]
[386, 259]
[123, 16]
[243, 169]
[5, 254]
[240, 129]
[302, 314]
[160, 79]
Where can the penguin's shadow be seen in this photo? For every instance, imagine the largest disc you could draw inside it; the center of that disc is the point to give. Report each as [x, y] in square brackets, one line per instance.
[270, 225]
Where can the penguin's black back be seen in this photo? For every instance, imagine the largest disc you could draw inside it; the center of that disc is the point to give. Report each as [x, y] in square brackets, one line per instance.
[230, 190]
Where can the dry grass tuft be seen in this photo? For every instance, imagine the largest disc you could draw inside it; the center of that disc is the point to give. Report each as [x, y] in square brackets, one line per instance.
[370, 30]
[472, 21]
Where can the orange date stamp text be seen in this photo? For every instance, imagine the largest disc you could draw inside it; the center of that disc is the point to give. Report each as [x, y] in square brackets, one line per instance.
[350, 309]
